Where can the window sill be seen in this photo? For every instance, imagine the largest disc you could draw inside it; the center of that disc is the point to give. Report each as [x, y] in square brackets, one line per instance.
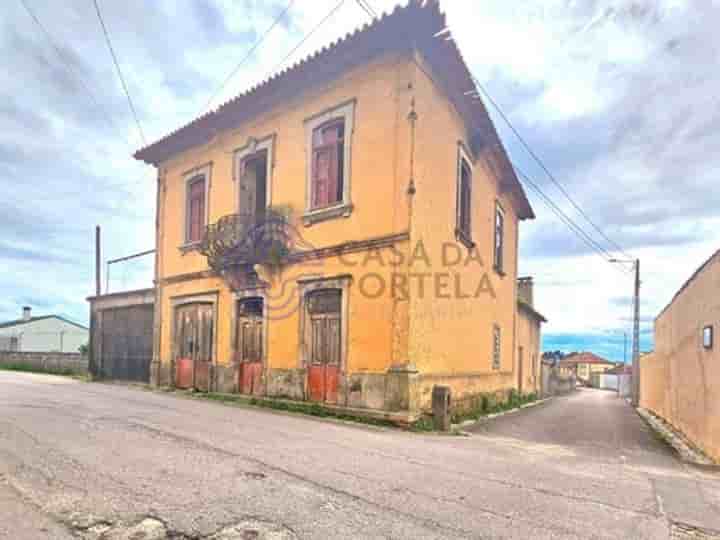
[342, 210]
[499, 271]
[464, 238]
[189, 246]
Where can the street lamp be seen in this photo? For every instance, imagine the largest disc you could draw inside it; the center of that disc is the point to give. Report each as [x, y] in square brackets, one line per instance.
[636, 331]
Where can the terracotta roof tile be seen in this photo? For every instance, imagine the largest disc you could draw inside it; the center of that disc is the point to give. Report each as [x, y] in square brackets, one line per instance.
[408, 28]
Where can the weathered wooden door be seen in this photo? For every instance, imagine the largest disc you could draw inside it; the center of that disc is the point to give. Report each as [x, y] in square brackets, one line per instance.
[324, 345]
[250, 349]
[194, 346]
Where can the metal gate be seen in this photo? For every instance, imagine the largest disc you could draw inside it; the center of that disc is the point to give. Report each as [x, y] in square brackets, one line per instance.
[126, 343]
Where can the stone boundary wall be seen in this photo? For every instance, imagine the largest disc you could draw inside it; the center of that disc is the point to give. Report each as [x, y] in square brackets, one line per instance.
[51, 361]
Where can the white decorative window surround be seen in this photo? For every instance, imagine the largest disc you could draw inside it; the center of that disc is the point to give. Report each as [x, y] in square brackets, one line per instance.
[251, 148]
[346, 113]
[189, 177]
[309, 285]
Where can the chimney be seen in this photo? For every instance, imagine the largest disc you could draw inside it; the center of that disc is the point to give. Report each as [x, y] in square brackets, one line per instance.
[525, 290]
[27, 310]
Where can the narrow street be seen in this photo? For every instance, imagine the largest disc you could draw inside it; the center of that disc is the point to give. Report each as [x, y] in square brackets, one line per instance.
[78, 460]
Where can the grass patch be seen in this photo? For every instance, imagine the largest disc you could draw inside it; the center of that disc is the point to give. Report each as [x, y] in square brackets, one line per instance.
[489, 404]
[297, 407]
[24, 368]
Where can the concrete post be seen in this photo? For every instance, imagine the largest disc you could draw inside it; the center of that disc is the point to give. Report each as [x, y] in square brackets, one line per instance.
[441, 407]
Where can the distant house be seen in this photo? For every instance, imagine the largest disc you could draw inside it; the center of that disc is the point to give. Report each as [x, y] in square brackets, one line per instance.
[528, 333]
[584, 364]
[46, 333]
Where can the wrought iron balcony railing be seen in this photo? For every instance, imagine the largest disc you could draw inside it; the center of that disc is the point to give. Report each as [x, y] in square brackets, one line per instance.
[245, 240]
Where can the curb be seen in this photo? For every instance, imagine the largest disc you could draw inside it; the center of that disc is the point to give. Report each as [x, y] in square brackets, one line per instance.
[468, 423]
[687, 451]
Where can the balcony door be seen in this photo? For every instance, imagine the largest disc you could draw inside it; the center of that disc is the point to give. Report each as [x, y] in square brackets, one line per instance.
[250, 346]
[253, 187]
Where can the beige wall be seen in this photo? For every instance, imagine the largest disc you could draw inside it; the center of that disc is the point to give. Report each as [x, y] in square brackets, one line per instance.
[680, 381]
[528, 338]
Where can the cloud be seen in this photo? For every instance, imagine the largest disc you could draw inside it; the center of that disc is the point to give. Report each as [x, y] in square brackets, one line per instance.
[616, 97]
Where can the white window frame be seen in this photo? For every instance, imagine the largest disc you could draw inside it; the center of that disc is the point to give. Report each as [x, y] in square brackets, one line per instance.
[346, 112]
[188, 178]
[251, 147]
[464, 237]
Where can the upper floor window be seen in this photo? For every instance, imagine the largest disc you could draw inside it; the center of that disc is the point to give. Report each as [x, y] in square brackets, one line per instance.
[328, 142]
[196, 210]
[328, 137]
[708, 337]
[499, 241]
[463, 222]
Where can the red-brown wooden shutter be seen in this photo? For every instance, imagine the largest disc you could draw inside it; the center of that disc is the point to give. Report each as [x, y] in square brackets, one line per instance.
[327, 145]
[196, 210]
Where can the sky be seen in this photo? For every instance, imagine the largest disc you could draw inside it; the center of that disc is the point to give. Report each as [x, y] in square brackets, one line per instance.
[618, 98]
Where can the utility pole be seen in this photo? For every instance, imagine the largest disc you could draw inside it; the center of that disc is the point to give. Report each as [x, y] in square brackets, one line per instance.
[636, 339]
[635, 388]
[98, 277]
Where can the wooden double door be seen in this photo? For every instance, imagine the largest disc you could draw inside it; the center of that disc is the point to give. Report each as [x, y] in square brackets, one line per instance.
[194, 344]
[323, 313]
[250, 345]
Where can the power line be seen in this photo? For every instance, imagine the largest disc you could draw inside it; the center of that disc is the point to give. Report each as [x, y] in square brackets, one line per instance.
[119, 71]
[367, 8]
[308, 35]
[546, 170]
[248, 55]
[565, 219]
[69, 67]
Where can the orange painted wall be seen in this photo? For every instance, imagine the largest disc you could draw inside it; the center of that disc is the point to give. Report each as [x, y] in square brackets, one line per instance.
[454, 335]
[441, 336]
[380, 132]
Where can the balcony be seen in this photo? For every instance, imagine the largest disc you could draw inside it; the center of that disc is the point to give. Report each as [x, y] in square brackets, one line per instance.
[238, 242]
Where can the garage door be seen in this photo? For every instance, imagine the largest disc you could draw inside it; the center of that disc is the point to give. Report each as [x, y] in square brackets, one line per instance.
[126, 343]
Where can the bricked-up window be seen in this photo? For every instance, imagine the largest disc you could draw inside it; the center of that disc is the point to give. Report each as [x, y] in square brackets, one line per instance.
[496, 347]
[708, 337]
[464, 211]
[499, 242]
[328, 153]
[195, 225]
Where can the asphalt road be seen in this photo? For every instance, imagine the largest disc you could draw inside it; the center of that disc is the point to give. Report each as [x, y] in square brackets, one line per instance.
[81, 460]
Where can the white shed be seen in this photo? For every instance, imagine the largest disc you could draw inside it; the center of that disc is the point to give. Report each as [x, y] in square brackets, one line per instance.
[47, 333]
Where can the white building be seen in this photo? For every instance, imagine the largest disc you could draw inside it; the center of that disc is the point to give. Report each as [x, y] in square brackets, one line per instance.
[47, 333]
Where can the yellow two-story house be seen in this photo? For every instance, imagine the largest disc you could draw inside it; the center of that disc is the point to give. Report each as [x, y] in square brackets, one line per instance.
[344, 232]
